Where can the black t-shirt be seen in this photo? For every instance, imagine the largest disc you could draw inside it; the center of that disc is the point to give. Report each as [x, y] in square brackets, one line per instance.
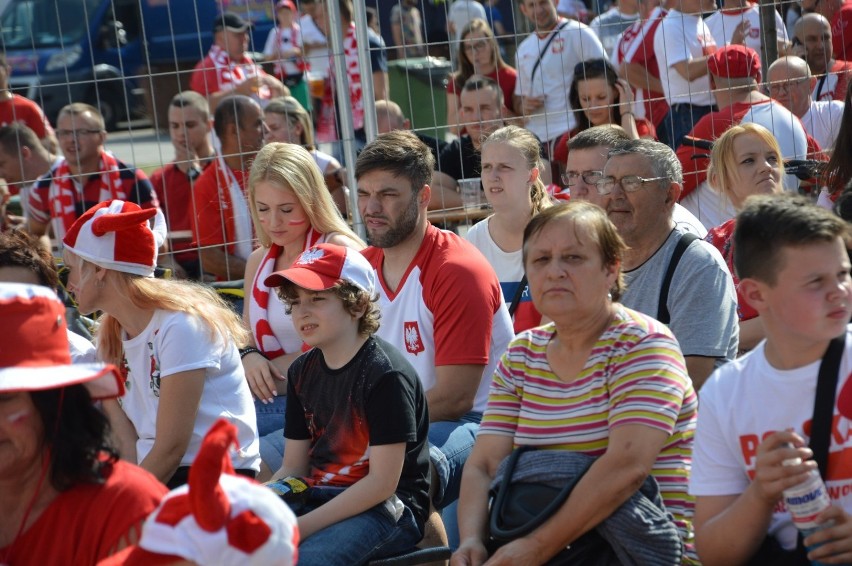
[460, 160]
[375, 399]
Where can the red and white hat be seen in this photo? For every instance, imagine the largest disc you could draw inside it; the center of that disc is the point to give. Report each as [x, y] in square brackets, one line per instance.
[117, 235]
[34, 356]
[324, 266]
[218, 518]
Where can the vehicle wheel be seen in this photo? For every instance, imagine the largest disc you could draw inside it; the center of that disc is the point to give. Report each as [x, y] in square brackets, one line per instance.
[111, 105]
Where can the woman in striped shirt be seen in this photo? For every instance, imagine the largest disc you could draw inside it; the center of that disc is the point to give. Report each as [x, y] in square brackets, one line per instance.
[601, 380]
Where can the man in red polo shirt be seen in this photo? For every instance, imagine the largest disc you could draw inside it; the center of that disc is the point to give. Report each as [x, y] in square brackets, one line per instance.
[228, 70]
[189, 129]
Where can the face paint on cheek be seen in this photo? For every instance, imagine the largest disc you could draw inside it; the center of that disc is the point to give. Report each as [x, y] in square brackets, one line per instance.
[18, 417]
[297, 222]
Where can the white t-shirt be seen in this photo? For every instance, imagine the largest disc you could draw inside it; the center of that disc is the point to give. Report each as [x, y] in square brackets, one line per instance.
[687, 221]
[822, 121]
[82, 351]
[609, 26]
[508, 266]
[683, 37]
[723, 23]
[709, 206]
[463, 11]
[175, 342]
[316, 46]
[574, 42]
[744, 401]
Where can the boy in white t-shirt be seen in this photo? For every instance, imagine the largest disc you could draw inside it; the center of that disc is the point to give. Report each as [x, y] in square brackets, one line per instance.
[756, 411]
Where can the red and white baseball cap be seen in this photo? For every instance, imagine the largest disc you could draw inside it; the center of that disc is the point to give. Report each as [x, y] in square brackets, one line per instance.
[324, 266]
[34, 356]
[218, 518]
[117, 235]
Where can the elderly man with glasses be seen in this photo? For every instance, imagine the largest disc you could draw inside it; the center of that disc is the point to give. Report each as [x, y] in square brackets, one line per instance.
[671, 274]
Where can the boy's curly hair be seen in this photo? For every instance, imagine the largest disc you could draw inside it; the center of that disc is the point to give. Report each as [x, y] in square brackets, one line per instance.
[354, 300]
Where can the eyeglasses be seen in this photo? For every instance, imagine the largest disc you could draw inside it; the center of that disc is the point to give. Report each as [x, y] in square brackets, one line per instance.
[785, 86]
[630, 183]
[76, 133]
[589, 177]
[472, 46]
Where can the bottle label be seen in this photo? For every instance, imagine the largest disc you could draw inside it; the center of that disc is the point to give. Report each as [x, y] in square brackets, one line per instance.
[806, 501]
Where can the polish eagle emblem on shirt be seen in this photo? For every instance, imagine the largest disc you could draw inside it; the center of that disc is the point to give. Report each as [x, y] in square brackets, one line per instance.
[413, 342]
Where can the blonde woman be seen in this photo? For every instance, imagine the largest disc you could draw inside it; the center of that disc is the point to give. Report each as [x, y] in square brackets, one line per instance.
[292, 212]
[511, 178]
[745, 161]
[175, 341]
[289, 122]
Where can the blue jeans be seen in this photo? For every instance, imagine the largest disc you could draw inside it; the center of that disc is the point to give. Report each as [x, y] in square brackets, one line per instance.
[356, 540]
[270, 429]
[450, 443]
[270, 417]
[679, 121]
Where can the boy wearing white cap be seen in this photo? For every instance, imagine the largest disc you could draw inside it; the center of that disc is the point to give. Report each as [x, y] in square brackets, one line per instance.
[356, 423]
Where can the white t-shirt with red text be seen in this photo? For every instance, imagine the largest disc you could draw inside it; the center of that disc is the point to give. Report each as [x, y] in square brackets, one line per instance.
[723, 23]
[636, 45]
[743, 402]
[447, 310]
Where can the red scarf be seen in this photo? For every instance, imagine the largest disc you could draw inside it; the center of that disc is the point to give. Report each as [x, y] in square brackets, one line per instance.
[326, 130]
[62, 194]
[264, 337]
[235, 72]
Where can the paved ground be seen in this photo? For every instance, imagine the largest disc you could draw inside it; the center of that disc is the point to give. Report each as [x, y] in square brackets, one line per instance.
[145, 148]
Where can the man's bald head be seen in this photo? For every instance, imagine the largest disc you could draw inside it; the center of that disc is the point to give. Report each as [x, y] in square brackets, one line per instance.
[814, 33]
[389, 117]
[791, 83]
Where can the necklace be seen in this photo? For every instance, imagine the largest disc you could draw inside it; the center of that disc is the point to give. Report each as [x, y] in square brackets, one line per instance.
[4, 560]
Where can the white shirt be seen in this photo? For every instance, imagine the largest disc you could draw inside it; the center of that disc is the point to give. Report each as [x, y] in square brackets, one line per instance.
[609, 26]
[683, 37]
[574, 42]
[822, 121]
[723, 23]
[463, 11]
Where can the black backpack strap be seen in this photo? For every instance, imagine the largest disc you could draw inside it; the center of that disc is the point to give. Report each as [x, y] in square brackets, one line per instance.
[823, 415]
[686, 239]
[544, 49]
[513, 306]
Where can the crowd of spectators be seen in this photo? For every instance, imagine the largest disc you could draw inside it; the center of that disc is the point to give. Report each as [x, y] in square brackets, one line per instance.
[679, 303]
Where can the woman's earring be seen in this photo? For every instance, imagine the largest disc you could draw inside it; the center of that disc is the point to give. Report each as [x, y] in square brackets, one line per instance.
[609, 297]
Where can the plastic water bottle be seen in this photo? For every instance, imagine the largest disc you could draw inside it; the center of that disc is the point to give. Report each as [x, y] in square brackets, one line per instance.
[805, 501]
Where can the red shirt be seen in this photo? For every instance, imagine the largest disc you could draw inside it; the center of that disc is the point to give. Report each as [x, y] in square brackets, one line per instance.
[175, 189]
[506, 77]
[637, 46]
[841, 32]
[213, 222]
[24, 111]
[722, 238]
[83, 524]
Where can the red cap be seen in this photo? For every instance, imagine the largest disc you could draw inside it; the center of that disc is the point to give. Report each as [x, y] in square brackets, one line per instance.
[285, 4]
[323, 266]
[735, 62]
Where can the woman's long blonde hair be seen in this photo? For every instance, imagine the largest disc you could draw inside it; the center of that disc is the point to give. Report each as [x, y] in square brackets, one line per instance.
[525, 141]
[292, 167]
[169, 295]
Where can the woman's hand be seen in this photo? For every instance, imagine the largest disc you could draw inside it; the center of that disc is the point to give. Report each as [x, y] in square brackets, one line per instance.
[771, 476]
[625, 97]
[471, 552]
[261, 375]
